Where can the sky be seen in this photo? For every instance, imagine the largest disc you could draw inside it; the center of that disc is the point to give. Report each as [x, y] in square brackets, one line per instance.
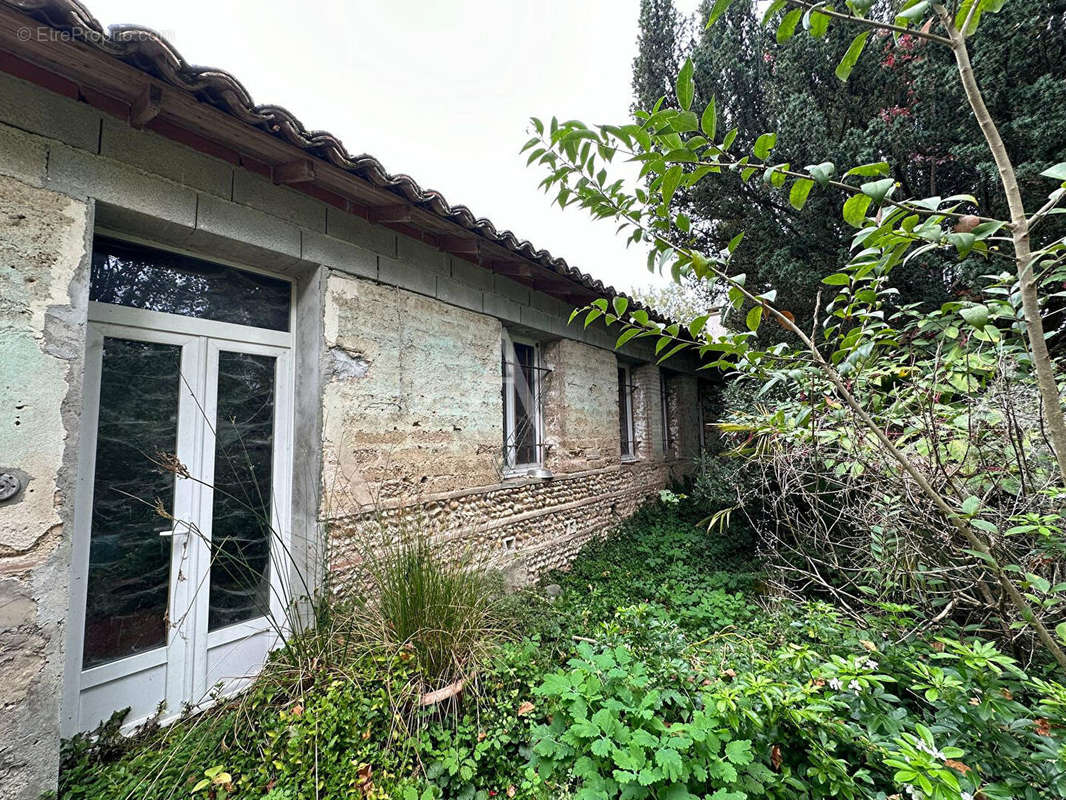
[441, 91]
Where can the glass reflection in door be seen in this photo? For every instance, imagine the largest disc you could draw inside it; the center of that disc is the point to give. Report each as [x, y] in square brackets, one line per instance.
[128, 586]
[242, 510]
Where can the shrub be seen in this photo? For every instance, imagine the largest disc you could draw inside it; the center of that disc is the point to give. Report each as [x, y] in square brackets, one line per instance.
[436, 610]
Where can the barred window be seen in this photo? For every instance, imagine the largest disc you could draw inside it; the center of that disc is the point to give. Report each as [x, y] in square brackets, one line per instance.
[521, 403]
[625, 413]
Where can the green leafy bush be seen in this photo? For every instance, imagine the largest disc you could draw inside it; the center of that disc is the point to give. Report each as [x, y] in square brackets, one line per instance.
[618, 732]
[672, 676]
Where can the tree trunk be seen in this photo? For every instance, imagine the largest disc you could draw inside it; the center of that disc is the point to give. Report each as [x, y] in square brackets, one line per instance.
[1034, 326]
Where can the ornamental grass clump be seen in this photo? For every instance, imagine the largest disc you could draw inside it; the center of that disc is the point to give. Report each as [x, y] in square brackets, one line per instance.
[431, 609]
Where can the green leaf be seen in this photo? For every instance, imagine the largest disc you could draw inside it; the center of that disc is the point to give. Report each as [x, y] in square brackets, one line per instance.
[1057, 172]
[601, 747]
[754, 318]
[797, 196]
[719, 8]
[734, 243]
[976, 315]
[669, 760]
[620, 305]
[709, 120]
[963, 242]
[685, 86]
[878, 190]
[1060, 631]
[851, 57]
[837, 279]
[869, 170]
[739, 752]
[772, 9]
[971, 505]
[763, 145]
[822, 173]
[912, 13]
[787, 29]
[670, 182]
[627, 334]
[1041, 584]
[819, 23]
[697, 325]
[855, 210]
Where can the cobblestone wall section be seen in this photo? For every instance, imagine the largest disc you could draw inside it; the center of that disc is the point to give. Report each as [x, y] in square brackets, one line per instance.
[540, 524]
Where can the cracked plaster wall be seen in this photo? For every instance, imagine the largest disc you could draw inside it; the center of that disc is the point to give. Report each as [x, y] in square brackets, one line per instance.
[42, 334]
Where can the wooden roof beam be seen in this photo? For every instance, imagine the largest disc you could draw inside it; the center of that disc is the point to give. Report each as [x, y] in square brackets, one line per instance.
[460, 245]
[146, 105]
[393, 213]
[513, 269]
[302, 170]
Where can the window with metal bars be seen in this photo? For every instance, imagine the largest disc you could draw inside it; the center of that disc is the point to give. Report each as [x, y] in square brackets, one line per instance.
[625, 413]
[664, 402]
[522, 413]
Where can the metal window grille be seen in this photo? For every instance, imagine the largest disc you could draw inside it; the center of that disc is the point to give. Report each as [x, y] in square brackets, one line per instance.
[626, 432]
[664, 402]
[523, 404]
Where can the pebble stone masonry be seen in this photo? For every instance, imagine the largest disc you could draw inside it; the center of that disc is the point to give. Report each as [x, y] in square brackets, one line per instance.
[398, 336]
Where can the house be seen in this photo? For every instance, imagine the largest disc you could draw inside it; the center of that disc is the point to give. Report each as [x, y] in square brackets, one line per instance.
[225, 343]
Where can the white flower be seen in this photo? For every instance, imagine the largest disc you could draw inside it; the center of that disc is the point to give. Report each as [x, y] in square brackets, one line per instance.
[871, 664]
[855, 686]
[836, 684]
[925, 748]
[965, 796]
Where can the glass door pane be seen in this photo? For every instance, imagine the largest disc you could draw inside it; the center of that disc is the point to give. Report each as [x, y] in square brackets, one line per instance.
[129, 562]
[242, 510]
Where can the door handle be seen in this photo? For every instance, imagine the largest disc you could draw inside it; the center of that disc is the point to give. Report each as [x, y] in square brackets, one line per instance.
[170, 533]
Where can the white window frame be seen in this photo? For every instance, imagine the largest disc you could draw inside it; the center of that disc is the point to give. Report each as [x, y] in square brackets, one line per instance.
[627, 384]
[511, 467]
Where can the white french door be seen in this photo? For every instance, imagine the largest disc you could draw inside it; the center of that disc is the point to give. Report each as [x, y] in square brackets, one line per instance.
[183, 513]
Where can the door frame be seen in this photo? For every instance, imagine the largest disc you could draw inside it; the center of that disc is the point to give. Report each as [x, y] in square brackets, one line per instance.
[202, 335]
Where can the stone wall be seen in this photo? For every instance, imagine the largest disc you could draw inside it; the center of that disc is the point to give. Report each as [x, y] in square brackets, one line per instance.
[42, 247]
[580, 407]
[412, 436]
[524, 526]
[412, 401]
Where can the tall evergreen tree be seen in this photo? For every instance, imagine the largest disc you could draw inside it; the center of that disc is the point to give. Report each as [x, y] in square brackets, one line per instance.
[905, 107]
[659, 51]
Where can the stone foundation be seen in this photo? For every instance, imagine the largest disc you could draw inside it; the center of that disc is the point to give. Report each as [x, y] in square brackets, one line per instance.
[524, 526]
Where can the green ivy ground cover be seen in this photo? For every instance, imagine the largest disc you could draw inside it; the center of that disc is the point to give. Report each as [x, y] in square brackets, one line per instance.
[659, 671]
